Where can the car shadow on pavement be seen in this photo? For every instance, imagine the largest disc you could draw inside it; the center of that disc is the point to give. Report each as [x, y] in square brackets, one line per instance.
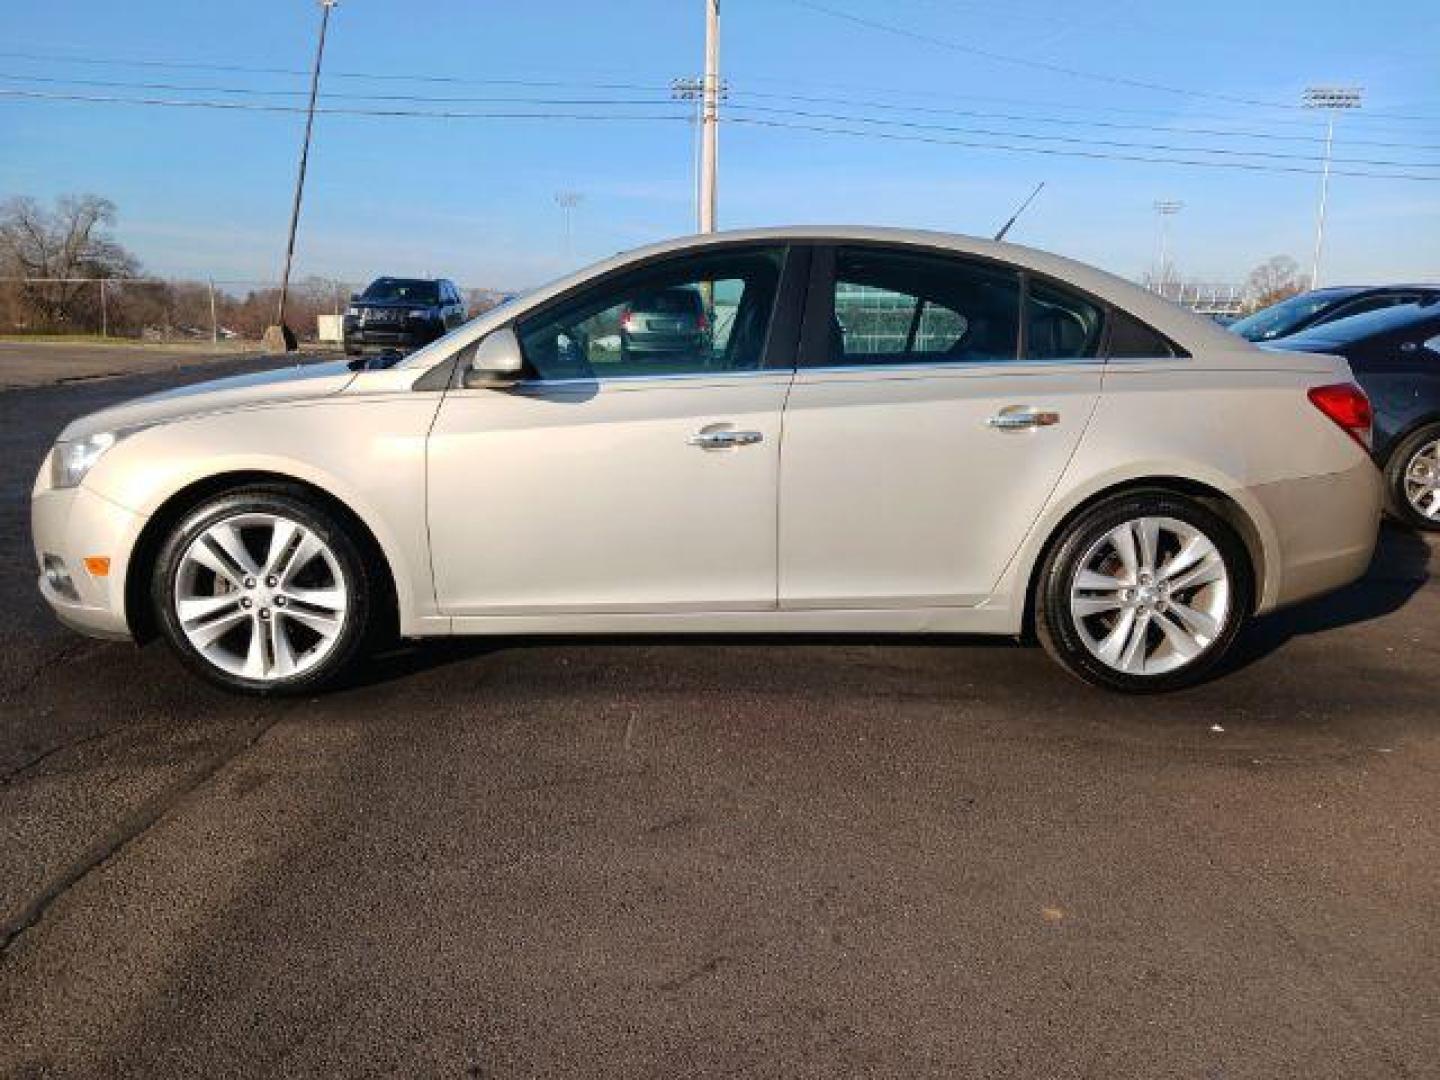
[1399, 569]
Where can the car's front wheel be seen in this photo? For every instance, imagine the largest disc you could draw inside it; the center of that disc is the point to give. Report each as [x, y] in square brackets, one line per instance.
[1143, 592]
[263, 591]
[1413, 479]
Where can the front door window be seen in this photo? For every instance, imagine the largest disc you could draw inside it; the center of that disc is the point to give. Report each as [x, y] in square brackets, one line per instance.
[692, 316]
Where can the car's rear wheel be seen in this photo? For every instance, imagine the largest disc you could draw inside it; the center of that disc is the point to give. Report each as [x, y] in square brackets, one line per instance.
[263, 591]
[1143, 592]
[1413, 479]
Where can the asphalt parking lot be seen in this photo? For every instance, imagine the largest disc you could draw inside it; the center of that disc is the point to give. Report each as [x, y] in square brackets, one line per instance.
[751, 857]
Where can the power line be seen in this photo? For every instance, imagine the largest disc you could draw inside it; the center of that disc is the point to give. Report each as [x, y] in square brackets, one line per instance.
[192, 65]
[1087, 108]
[250, 106]
[1370, 115]
[800, 113]
[1115, 143]
[244, 106]
[1072, 121]
[1061, 69]
[1055, 152]
[1025, 61]
[660, 100]
[254, 92]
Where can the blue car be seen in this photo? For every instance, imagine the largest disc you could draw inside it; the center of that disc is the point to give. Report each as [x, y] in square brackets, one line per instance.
[1395, 355]
[1320, 306]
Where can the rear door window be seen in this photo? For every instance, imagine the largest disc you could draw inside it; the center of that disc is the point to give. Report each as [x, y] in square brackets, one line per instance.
[903, 307]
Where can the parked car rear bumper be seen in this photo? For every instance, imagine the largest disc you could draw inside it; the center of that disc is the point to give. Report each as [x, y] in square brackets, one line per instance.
[1326, 530]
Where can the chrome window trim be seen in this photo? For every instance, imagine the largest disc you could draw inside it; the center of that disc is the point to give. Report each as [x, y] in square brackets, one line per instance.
[959, 365]
[679, 377]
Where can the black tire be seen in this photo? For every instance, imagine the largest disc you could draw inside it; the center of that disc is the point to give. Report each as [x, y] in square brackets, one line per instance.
[298, 505]
[1056, 627]
[1396, 501]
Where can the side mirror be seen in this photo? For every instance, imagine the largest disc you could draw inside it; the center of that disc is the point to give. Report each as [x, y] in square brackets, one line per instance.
[497, 363]
[354, 296]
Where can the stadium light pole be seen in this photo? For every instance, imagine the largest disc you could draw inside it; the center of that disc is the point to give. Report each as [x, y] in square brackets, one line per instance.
[1165, 209]
[568, 201]
[1332, 99]
[281, 335]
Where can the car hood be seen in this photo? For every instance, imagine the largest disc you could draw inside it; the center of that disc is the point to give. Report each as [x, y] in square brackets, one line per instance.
[260, 388]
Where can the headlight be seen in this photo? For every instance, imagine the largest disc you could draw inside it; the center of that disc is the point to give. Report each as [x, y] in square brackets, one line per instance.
[353, 312]
[419, 313]
[72, 460]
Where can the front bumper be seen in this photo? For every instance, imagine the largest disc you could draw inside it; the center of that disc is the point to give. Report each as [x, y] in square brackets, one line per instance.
[408, 335]
[74, 524]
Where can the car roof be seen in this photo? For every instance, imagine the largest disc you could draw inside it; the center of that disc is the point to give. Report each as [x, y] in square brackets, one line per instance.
[1191, 331]
[1401, 287]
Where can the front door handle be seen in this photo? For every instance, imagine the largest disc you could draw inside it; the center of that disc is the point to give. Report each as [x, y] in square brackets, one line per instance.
[1023, 418]
[723, 440]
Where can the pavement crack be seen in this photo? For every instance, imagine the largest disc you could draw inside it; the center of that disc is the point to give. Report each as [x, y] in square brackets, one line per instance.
[127, 831]
[25, 767]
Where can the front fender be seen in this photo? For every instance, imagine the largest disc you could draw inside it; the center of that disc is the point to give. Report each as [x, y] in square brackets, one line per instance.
[368, 454]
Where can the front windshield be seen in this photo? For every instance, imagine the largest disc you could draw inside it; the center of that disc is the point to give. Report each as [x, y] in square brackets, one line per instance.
[1283, 318]
[406, 290]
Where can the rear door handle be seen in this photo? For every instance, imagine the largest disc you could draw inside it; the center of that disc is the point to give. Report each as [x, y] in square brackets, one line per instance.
[723, 440]
[1023, 418]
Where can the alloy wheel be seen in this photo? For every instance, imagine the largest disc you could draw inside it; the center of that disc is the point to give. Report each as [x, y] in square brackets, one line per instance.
[1422, 480]
[260, 596]
[1150, 596]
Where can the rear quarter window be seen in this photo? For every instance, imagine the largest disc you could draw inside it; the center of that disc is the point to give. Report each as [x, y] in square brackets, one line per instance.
[1131, 339]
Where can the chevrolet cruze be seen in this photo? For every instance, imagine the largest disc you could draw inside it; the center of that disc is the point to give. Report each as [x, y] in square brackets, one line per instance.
[879, 431]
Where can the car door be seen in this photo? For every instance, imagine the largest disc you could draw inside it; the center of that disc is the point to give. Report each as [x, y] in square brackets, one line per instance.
[927, 426]
[624, 482]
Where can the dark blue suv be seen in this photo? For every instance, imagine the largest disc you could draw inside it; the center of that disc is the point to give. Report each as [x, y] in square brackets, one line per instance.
[401, 313]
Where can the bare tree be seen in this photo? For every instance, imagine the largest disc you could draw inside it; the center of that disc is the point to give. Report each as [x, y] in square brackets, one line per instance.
[1276, 279]
[69, 241]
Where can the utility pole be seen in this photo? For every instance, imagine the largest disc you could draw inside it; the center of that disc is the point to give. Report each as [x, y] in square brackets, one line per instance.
[1332, 99]
[692, 88]
[710, 118]
[1165, 209]
[281, 334]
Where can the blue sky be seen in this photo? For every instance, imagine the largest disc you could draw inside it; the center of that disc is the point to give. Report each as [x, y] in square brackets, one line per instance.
[206, 192]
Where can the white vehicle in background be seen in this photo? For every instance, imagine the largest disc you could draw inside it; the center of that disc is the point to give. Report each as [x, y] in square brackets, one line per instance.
[887, 432]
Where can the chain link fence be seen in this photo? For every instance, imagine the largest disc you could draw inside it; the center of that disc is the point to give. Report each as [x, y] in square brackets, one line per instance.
[180, 310]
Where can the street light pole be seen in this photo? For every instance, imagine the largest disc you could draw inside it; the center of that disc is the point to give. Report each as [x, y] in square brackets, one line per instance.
[710, 118]
[284, 332]
[1332, 99]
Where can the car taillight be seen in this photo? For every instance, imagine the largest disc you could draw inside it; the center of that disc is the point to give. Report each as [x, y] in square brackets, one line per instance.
[1347, 405]
[702, 324]
[627, 317]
